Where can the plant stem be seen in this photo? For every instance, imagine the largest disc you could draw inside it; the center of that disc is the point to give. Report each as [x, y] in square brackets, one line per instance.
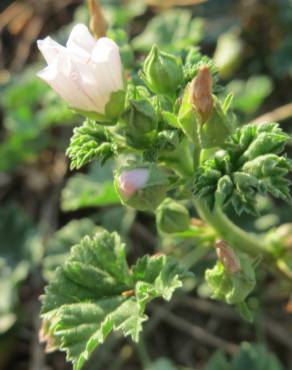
[226, 229]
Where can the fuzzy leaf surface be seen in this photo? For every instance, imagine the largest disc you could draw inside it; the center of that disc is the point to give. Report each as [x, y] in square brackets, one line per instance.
[96, 292]
[249, 164]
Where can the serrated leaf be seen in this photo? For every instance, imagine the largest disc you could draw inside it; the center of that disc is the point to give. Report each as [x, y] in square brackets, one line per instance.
[249, 165]
[95, 292]
[58, 248]
[89, 141]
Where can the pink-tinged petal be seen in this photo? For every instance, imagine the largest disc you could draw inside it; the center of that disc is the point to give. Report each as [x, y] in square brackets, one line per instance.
[81, 42]
[50, 49]
[65, 80]
[133, 180]
[108, 65]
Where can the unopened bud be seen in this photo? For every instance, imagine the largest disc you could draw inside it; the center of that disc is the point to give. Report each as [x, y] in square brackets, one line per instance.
[141, 187]
[132, 181]
[227, 256]
[98, 25]
[201, 93]
[163, 72]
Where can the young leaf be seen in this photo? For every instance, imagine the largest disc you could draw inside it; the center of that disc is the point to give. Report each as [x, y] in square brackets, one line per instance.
[249, 165]
[90, 141]
[96, 292]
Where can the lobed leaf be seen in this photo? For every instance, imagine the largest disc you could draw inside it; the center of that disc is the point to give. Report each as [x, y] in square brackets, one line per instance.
[250, 164]
[96, 292]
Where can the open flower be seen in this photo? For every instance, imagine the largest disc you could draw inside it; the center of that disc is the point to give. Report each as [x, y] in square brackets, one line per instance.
[86, 72]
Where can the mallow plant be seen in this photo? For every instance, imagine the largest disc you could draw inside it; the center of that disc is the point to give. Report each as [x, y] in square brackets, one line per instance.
[179, 150]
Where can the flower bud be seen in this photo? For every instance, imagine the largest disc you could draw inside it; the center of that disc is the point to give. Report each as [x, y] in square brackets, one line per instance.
[232, 279]
[201, 93]
[227, 256]
[141, 187]
[162, 72]
[172, 217]
[98, 25]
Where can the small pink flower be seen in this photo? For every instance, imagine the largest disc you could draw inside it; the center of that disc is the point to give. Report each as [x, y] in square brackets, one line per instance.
[133, 180]
[85, 72]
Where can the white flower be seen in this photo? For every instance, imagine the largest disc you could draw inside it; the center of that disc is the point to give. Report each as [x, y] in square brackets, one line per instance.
[85, 72]
[132, 181]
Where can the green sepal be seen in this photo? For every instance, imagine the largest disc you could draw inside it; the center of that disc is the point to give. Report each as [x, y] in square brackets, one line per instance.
[214, 132]
[153, 192]
[162, 72]
[232, 288]
[140, 119]
[187, 118]
[113, 110]
[172, 217]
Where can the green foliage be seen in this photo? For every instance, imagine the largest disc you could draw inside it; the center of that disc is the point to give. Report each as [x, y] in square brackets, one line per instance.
[58, 248]
[172, 217]
[95, 292]
[19, 249]
[228, 52]
[94, 189]
[30, 108]
[172, 30]
[249, 165]
[249, 95]
[89, 141]
[251, 356]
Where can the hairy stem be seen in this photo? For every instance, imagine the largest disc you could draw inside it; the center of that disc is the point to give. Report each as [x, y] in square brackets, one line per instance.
[226, 229]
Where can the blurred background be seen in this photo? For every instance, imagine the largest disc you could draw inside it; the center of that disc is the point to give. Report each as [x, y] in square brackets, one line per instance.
[45, 208]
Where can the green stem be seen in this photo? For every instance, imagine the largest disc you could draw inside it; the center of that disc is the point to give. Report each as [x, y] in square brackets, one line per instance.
[227, 230]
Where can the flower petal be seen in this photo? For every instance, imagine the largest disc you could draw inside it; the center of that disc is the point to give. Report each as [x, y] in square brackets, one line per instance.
[106, 57]
[133, 180]
[80, 41]
[50, 49]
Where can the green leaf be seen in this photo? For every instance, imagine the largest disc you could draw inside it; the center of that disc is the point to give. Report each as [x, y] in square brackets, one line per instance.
[58, 248]
[172, 30]
[251, 356]
[95, 293]
[249, 165]
[89, 141]
[94, 189]
[19, 249]
[249, 95]
[255, 357]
